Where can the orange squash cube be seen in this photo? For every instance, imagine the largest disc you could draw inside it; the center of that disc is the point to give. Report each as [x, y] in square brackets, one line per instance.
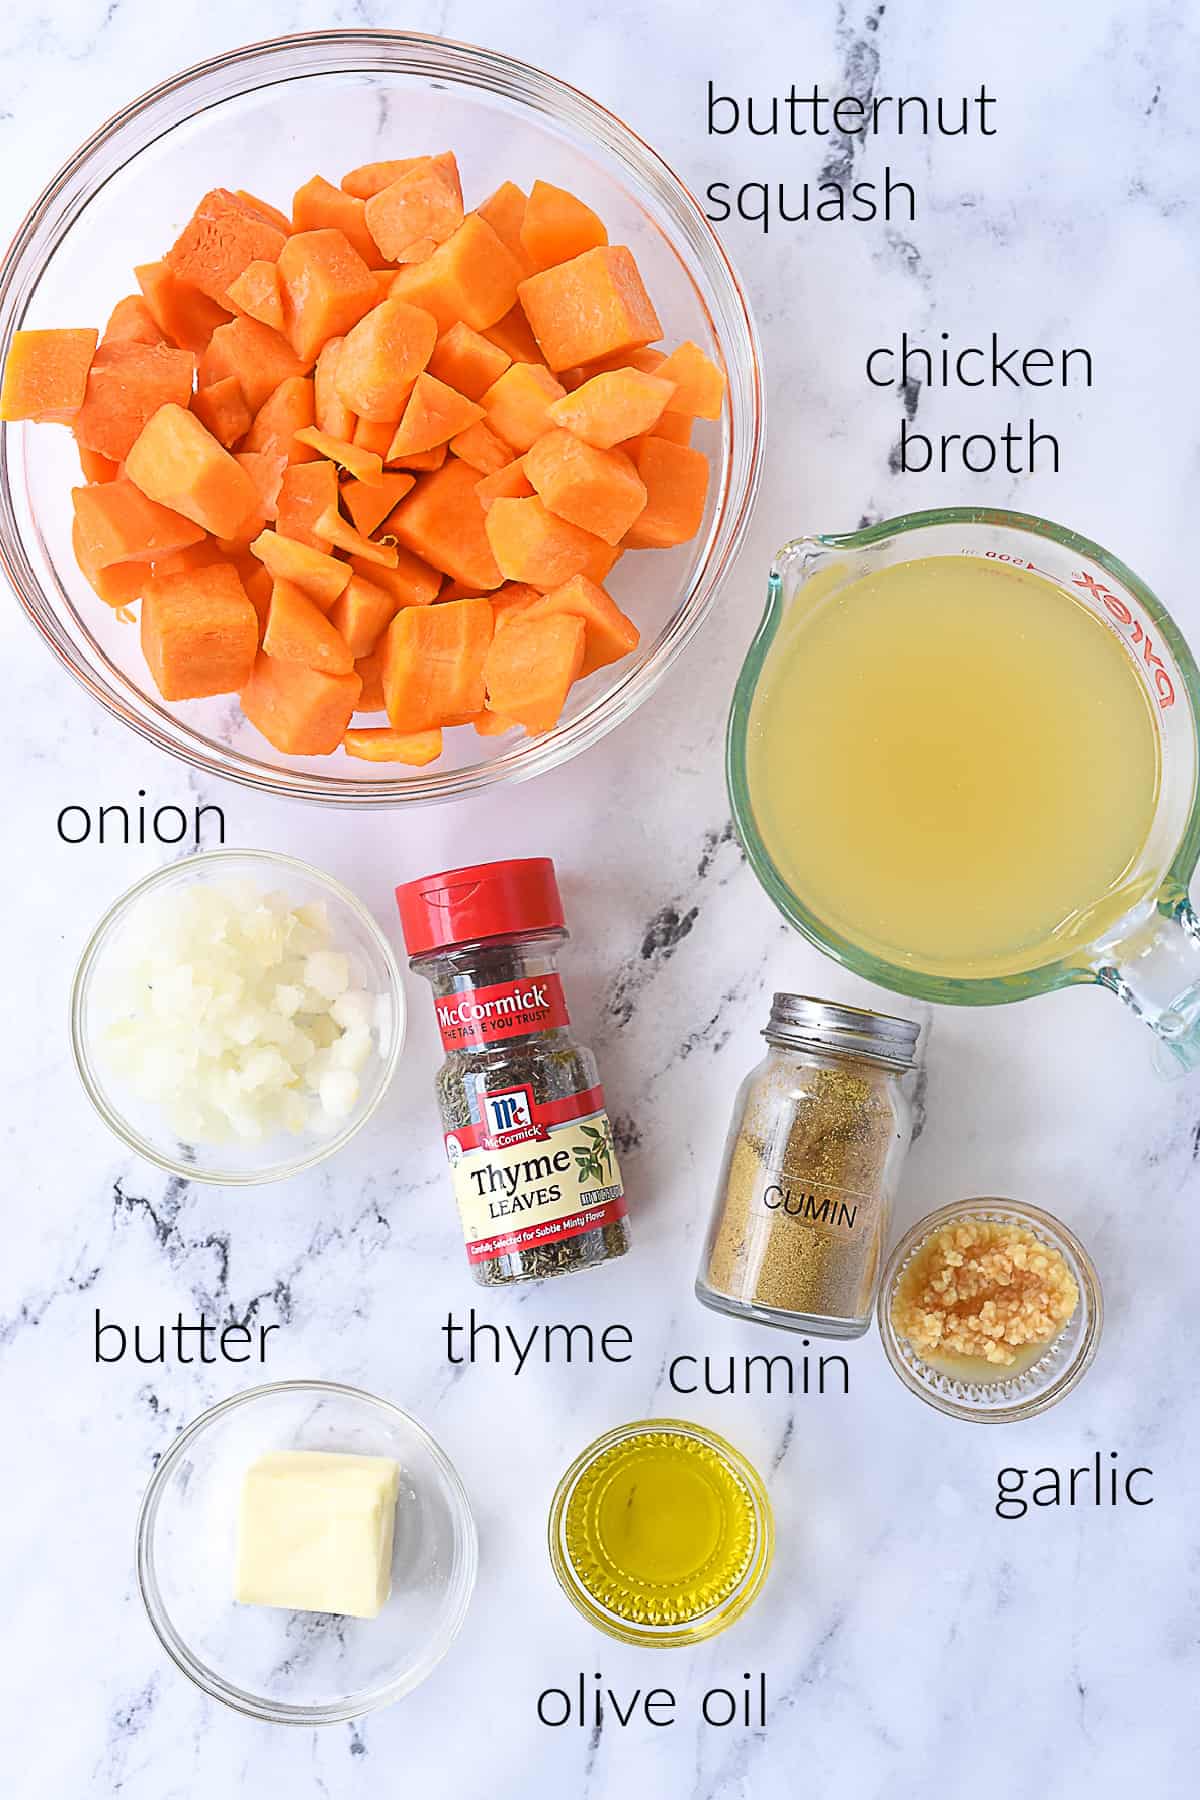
[411, 583]
[479, 446]
[327, 287]
[513, 335]
[220, 238]
[302, 712]
[132, 322]
[221, 409]
[370, 503]
[181, 465]
[467, 362]
[676, 480]
[516, 405]
[362, 613]
[317, 574]
[298, 631]
[433, 663]
[530, 667]
[505, 213]
[126, 385]
[442, 522]
[115, 522]
[372, 178]
[333, 416]
[305, 492]
[199, 632]
[433, 415]
[531, 544]
[183, 314]
[254, 354]
[610, 408]
[610, 633]
[381, 358]
[422, 203]
[508, 483]
[598, 490]
[285, 412]
[46, 374]
[472, 277]
[258, 293]
[319, 206]
[699, 384]
[557, 227]
[592, 306]
[382, 744]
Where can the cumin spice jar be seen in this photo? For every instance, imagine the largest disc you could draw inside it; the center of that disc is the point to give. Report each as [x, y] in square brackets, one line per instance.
[820, 1130]
[530, 1146]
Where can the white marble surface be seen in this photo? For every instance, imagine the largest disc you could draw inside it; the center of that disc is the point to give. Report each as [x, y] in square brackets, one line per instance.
[912, 1641]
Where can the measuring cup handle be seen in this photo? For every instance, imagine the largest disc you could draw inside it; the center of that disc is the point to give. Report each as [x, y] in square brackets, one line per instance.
[1157, 973]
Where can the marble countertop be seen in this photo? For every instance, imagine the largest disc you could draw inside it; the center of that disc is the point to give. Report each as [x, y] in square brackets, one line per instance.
[912, 1641]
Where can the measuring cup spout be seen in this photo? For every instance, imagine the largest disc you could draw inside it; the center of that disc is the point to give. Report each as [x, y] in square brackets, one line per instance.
[1156, 971]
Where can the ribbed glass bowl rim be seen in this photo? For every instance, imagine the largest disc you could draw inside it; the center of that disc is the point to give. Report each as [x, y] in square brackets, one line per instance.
[317, 53]
[237, 1698]
[89, 961]
[951, 990]
[708, 1624]
[1091, 1301]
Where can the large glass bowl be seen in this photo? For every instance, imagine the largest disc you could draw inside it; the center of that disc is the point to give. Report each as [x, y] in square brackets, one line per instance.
[268, 117]
[302, 1668]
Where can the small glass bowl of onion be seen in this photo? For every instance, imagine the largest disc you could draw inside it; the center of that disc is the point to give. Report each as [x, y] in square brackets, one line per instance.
[236, 1017]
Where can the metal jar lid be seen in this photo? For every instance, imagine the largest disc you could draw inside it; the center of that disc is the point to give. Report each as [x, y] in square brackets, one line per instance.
[799, 1022]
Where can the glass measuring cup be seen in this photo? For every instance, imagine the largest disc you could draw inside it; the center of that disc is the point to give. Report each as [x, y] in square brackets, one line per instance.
[1151, 956]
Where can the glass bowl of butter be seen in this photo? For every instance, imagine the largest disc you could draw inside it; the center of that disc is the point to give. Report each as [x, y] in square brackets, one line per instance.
[306, 1552]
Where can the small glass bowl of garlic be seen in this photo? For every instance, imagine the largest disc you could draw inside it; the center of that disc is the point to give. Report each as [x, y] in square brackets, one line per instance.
[237, 1017]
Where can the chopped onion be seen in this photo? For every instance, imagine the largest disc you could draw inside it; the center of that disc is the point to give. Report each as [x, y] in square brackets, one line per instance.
[237, 1013]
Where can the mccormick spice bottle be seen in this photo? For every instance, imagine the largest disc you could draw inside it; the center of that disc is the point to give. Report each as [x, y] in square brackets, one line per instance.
[530, 1146]
[820, 1130]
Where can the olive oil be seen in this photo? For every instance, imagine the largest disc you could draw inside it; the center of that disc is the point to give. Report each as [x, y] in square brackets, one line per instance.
[954, 765]
[661, 1533]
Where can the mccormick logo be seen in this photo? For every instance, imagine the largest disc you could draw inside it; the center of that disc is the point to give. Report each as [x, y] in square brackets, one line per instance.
[534, 997]
[1116, 608]
[508, 1118]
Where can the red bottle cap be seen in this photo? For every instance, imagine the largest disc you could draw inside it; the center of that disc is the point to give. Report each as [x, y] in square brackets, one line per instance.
[484, 900]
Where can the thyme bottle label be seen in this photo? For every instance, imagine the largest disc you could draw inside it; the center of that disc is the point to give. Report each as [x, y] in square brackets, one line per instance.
[532, 1173]
[506, 1009]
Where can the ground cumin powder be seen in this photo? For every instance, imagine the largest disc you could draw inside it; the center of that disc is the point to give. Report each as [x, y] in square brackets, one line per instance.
[805, 1192]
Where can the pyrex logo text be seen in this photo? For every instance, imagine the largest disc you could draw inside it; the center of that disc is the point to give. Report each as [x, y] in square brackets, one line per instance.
[1116, 608]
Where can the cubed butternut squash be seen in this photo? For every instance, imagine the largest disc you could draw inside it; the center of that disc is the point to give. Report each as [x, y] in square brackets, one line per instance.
[46, 375]
[306, 491]
[181, 465]
[410, 583]
[423, 203]
[599, 490]
[381, 358]
[507, 483]
[184, 315]
[370, 503]
[303, 712]
[479, 446]
[529, 543]
[256, 356]
[472, 277]
[516, 404]
[433, 661]
[126, 385]
[610, 633]
[676, 481]
[592, 306]
[285, 412]
[382, 744]
[222, 409]
[326, 286]
[372, 178]
[319, 206]
[466, 361]
[362, 613]
[434, 414]
[317, 574]
[530, 667]
[298, 631]
[611, 408]
[220, 238]
[557, 226]
[504, 211]
[442, 522]
[132, 322]
[258, 293]
[199, 632]
[699, 384]
[115, 522]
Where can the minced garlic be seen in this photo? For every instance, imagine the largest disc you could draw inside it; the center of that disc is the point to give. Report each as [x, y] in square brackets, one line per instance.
[983, 1288]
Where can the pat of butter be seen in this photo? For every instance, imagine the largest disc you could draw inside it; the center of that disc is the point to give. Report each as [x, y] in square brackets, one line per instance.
[316, 1531]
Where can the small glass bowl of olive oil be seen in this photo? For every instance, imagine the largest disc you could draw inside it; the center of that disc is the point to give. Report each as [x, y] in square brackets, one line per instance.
[661, 1533]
